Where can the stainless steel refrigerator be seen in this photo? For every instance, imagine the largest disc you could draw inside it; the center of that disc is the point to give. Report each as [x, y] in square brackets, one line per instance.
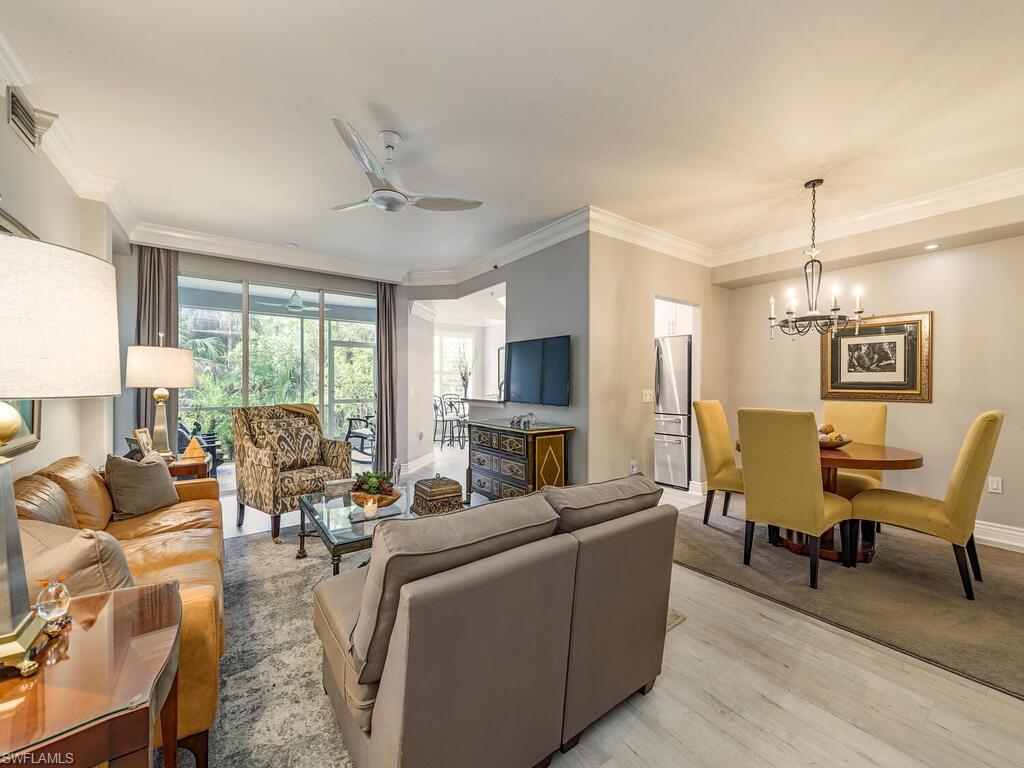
[672, 410]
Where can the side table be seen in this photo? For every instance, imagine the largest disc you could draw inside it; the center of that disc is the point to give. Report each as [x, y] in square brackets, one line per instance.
[199, 468]
[101, 685]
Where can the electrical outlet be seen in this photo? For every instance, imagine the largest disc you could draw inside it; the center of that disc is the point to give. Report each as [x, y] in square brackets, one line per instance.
[634, 467]
[648, 395]
[995, 484]
[421, 434]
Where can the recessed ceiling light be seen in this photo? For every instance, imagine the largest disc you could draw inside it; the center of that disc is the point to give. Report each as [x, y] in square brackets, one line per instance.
[931, 246]
[290, 244]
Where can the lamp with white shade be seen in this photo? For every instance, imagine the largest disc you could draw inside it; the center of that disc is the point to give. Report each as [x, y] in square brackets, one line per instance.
[159, 368]
[58, 322]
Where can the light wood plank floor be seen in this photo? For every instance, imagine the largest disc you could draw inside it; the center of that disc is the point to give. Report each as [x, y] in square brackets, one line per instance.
[747, 682]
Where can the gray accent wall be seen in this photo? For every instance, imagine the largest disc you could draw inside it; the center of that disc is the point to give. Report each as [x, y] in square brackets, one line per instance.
[547, 294]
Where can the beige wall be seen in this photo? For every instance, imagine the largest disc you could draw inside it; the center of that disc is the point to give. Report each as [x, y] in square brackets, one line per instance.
[34, 192]
[974, 293]
[625, 279]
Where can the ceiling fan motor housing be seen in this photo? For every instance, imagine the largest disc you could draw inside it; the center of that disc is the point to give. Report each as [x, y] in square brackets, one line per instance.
[388, 199]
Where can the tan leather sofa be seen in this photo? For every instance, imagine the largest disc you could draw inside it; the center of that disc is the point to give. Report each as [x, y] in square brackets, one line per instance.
[182, 542]
[487, 637]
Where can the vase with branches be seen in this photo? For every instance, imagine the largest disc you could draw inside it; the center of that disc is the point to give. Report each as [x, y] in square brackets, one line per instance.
[465, 370]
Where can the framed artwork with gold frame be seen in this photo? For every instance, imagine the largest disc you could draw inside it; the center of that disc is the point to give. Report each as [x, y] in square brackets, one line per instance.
[889, 359]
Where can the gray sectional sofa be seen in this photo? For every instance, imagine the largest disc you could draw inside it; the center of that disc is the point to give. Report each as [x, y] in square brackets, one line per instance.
[495, 635]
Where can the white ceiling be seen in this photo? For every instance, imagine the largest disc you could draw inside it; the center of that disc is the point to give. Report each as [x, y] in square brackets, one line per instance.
[484, 307]
[699, 119]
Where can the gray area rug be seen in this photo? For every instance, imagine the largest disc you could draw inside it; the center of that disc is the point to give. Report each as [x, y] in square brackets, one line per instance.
[273, 711]
[909, 597]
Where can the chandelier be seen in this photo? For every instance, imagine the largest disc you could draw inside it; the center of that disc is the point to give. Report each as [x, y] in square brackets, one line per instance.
[821, 321]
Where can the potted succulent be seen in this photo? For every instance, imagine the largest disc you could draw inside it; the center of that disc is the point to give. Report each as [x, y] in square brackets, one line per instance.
[374, 485]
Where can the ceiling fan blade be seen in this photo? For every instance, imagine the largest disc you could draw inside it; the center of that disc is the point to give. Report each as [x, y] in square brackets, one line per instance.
[434, 203]
[371, 167]
[350, 206]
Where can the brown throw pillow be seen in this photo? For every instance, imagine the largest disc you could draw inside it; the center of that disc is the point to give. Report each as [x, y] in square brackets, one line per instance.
[294, 443]
[580, 506]
[138, 487]
[92, 560]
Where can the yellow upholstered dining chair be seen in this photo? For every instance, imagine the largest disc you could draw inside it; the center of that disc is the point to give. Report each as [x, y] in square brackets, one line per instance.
[864, 423]
[717, 447]
[782, 481]
[952, 518]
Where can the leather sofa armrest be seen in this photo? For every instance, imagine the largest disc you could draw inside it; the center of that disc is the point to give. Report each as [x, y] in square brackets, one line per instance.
[200, 647]
[197, 490]
[336, 454]
[517, 644]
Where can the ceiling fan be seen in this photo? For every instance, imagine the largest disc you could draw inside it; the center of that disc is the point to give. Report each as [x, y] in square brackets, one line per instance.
[294, 303]
[386, 189]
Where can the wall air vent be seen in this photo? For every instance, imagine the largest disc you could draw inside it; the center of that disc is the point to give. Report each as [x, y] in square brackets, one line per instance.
[27, 122]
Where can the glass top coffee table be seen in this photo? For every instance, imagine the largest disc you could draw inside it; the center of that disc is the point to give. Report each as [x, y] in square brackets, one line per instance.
[341, 525]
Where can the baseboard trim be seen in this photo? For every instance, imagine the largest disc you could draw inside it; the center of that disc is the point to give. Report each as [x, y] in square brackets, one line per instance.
[419, 463]
[1008, 537]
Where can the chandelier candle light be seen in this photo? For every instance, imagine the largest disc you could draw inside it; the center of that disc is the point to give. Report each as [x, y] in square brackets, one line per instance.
[823, 322]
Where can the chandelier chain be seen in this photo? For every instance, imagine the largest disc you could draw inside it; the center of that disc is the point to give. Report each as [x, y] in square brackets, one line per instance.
[814, 218]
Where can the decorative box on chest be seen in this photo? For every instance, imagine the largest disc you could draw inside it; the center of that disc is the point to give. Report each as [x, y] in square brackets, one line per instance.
[437, 495]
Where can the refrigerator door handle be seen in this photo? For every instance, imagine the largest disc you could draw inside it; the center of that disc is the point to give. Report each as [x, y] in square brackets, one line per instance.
[657, 373]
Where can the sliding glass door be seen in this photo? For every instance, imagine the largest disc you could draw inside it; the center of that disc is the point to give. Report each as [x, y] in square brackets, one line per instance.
[284, 346]
[256, 344]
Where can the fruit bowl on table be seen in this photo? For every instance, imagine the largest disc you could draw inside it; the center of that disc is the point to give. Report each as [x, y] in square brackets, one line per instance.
[359, 498]
[833, 444]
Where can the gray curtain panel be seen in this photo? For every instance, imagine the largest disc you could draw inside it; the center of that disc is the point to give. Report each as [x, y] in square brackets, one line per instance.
[158, 311]
[387, 356]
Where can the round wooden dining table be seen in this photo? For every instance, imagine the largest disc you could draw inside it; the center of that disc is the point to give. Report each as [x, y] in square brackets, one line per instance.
[855, 456]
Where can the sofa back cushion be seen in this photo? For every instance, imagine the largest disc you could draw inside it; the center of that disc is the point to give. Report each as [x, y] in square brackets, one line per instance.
[294, 442]
[138, 487]
[580, 506]
[92, 560]
[90, 500]
[405, 550]
[38, 498]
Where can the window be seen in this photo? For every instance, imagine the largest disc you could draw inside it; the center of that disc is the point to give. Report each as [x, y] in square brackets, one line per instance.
[453, 358]
[210, 324]
[283, 359]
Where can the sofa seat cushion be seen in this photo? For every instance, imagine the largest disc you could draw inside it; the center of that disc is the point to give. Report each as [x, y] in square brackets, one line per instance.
[580, 506]
[38, 498]
[294, 443]
[298, 482]
[407, 549]
[164, 550]
[90, 500]
[183, 516]
[335, 611]
[92, 560]
[201, 574]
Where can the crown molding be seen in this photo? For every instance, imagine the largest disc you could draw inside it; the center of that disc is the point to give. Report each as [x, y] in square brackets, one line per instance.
[586, 219]
[990, 189]
[217, 245]
[422, 311]
[570, 225]
[611, 224]
[63, 152]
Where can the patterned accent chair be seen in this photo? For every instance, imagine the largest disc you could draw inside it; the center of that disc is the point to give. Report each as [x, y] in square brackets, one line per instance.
[281, 454]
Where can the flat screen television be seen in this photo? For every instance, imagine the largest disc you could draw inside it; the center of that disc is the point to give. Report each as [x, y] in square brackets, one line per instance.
[537, 371]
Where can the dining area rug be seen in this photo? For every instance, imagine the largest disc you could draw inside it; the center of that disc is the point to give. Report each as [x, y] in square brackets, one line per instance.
[909, 597]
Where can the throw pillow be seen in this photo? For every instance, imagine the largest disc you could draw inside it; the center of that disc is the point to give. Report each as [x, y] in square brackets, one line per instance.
[294, 443]
[138, 487]
[580, 506]
[92, 560]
